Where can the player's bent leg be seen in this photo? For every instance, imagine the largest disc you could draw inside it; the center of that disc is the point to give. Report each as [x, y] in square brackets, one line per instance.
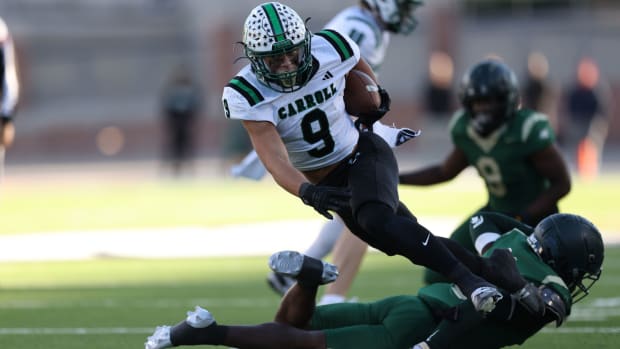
[406, 237]
[393, 322]
[320, 247]
[460, 235]
[348, 255]
[297, 306]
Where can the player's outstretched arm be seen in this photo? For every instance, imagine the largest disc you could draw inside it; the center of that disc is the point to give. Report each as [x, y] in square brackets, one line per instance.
[549, 163]
[272, 153]
[454, 164]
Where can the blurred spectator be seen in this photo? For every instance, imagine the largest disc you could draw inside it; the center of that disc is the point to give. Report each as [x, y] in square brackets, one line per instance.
[536, 87]
[181, 105]
[9, 87]
[439, 98]
[236, 143]
[537, 91]
[588, 105]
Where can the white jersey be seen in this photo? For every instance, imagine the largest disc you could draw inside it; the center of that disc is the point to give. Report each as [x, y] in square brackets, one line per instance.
[312, 121]
[8, 77]
[360, 25]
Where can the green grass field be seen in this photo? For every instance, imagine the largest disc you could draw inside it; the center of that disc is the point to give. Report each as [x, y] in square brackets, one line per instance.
[87, 205]
[115, 303]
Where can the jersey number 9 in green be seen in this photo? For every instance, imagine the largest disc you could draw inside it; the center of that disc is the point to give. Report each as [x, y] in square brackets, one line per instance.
[489, 170]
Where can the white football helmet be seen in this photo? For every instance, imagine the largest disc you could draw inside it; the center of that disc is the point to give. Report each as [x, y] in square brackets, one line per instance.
[271, 32]
[397, 15]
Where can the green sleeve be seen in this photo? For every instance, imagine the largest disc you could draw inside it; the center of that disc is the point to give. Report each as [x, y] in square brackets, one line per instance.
[493, 222]
[536, 133]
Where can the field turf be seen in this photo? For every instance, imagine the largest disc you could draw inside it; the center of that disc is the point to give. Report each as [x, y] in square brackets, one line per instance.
[116, 303]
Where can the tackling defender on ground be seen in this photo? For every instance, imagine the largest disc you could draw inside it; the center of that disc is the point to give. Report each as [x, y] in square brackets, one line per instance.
[555, 259]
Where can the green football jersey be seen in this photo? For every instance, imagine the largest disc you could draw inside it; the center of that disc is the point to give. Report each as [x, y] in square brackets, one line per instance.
[530, 265]
[487, 333]
[501, 159]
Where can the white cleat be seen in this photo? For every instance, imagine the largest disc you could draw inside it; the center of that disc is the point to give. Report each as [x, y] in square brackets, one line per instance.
[291, 263]
[199, 318]
[160, 339]
[485, 298]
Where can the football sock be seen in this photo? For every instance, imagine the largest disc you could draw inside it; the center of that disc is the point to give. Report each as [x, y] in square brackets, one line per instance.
[325, 241]
[184, 334]
[311, 273]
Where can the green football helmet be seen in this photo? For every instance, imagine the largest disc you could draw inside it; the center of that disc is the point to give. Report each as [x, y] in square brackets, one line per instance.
[496, 83]
[273, 32]
[573, 247]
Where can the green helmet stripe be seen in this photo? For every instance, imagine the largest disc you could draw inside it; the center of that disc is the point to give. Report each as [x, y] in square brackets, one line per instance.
[338, 42]
[248, 91]
[274, 21]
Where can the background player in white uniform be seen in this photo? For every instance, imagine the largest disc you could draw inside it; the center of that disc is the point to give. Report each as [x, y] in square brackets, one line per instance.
[290, 101]
[9, 91]
[369, 24]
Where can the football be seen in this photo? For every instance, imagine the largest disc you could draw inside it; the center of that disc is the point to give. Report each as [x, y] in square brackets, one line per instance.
[361, 94]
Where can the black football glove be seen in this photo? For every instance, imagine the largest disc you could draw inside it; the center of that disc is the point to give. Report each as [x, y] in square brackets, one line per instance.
[367, 119]
[501, 269]
[531, 299]
[324, 198]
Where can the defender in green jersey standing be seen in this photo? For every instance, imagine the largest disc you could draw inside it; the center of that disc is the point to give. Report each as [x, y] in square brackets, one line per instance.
[512, 149]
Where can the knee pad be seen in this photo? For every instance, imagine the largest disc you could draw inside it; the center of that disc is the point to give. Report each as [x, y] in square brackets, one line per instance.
[372, 217]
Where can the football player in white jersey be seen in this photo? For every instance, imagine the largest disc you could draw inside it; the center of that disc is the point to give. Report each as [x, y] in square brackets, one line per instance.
[9, 86]
[290, 101]
[370, 24]
[9, 91]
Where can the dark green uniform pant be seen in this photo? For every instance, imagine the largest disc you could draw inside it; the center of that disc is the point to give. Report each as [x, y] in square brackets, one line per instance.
[390, 323]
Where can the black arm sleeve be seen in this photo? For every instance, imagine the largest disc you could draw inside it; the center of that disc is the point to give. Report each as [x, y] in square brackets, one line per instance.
[472, 261]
